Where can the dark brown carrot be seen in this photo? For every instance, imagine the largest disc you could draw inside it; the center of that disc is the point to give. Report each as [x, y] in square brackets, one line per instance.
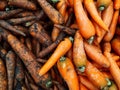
[7, 14]
[10, 65]
[28, 59]
[27, 83]
[21, 20]
[38, 32]
[28, 43]
[23, 4]
[52, 13]
[3, 4]
[41, 60]
[3, 76]
[3, 52]
[9, 27]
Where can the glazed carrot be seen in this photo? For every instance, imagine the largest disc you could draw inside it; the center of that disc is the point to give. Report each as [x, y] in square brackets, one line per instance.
[109, 35]
[10, 65]
[23, 4]
[79, 56]
[3, 4]
[91, 8]
[115, 44]
[61, 49]
[4, 14]
[7, 26]
[103, 4]
[107, 15]
[86, 28]
[117, 4]
[87, 83]
[68, 73]
[96, 77]
[117, 31]
[52, 13]
[95, 54]
[82, 87]
[3, 76]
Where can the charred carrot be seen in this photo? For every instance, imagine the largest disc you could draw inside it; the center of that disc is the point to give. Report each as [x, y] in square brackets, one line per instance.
[7, 14]
[109, 35]
[52, 13]
[103, 4]
[3, 76]
[68, 73]
[61, 49]
[79, 56]
[10, 65]
[95, 54]
[91, 8]
[86, 28]
[23, 4]
[117, 4]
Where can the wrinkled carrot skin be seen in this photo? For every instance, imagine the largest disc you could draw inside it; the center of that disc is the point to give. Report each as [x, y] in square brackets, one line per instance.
[109, 35]
[95, 54]
[10, 65]
[115, 44]
[3, 76]
[68, 73]
[86, 28]
[79, 56]
[52, 13]
[95, 76]
[86, 82]
[91, 8]
[107, 15]
[23, 4]
[4, 14]
[3, 4]
[117, 4]
[61, 49]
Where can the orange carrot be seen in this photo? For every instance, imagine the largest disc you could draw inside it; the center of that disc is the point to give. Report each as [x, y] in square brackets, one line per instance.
[86, 27]
[68, 73]
[96, 77]
[79, 56]
[117, 4]
[109, 35]
[91, 8]
[61, 49]
[94, 53]
[82, 87]
[71, 2]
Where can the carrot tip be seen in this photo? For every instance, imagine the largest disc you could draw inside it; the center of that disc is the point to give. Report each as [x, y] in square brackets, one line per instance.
[62, 58]
[48, 83]
[81, 69]
[90, 40]
[101, 8]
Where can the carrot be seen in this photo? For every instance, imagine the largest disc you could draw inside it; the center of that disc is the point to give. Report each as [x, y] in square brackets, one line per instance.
[117, 4]
[95, 54]
[117, 31]
[96, 77]
[3, 52]
[68, 73]
[28, 43]
[3, 4]
[71, 2]
[82, 87]
[34, 87]
[109, 35]
[79, 56]
[91, 8]
[3, 76]
[107, 15]
[115, 56]
[7, 26]
[28, 59]
[87, 83]
[103, 4]
[107, 75]
[7, 14]
[10, 64]
[114, 69]
[38, 32]
[86, 28]
[115, 44]
[52, 13]
[55, 33]
[61, 49]
[23, 4]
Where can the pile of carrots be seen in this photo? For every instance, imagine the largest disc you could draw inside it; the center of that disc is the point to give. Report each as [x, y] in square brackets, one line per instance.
[60, 44]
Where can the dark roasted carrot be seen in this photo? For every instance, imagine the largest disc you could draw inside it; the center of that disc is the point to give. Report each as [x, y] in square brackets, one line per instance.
[109, 35]
[68, 73]
[86, 28]
[79, 56]
[10, 65]
[59, 51]
[7, 14]
[23, 4]
[3, 76]
[52, 13]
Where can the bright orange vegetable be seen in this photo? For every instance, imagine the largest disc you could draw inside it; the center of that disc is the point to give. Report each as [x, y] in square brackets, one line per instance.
[117, 4]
